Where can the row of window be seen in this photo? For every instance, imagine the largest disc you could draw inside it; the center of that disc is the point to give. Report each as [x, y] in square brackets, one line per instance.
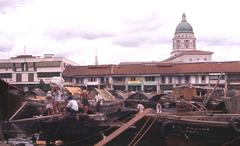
[48, 74]
[205, 59]
[5, 75]
[163, 79]
[186, 35]
[186, 43]
[92, 79]
[39, 75]
[24, 66]
[30, 77]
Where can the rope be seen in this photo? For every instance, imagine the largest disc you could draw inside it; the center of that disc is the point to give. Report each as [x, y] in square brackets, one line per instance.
[146, 131]
[132, 143]
[139, 132]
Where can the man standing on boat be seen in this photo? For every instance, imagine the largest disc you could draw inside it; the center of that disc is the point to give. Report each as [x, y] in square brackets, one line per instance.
[72, 106]
[159, 107]
[140, 107]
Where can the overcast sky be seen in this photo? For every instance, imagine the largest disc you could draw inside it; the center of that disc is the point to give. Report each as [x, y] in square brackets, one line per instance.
[118, 30]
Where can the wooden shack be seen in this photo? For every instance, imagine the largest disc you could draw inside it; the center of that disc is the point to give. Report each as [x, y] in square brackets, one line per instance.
[184, 92]
[189, 92]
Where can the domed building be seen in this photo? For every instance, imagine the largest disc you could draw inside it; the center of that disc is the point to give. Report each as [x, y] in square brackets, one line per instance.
[184, 45]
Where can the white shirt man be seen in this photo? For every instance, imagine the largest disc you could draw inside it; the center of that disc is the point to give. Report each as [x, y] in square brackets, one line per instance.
[159, 108]
[140, 107]
[98, 98]
[73, 105]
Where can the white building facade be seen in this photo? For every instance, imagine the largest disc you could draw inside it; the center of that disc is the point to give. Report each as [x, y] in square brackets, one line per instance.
[184, 45]
[27, 70]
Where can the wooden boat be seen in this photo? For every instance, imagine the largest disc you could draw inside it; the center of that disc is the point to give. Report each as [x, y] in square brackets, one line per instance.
[203, 127]
[108, 105]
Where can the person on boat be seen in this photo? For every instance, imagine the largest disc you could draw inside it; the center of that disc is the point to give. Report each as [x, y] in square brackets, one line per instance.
[84, 101]
[49, 103]
[72, 106]
[140, 107]
[98, 100]
[159, 107]
[57, 99]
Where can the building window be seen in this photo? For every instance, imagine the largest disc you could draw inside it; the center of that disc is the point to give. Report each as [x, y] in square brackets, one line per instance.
[92, 79]
[196, 80]
[170, 79]
[18, 77]
[133, 79]
[34, 66]
[22, 66]
[186, 43]
[48, 74]
[26, 66]
[30, 77]
[179, 80]
[187, 79]
[216, 77]
[102, 79]
[203, 79]
[149, 78]
[14, 67]
[190, 59]
[119, 79]
[205, 59]
[5, 75]
[79, 80]
[163, 79]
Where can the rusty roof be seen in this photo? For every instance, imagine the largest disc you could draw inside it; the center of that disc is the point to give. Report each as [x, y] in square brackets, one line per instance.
[90, 70]
[153, 68]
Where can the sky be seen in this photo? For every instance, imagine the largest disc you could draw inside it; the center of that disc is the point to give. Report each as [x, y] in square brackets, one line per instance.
[116, 30]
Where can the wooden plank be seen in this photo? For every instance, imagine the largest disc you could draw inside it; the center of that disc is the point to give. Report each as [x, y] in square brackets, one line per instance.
[35, 118]
[22, 106]
[110, 137]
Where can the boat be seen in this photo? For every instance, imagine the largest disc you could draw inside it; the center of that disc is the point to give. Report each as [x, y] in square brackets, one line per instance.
[208, 128]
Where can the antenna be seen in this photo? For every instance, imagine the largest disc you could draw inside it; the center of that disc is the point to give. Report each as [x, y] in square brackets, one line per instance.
[96, 57]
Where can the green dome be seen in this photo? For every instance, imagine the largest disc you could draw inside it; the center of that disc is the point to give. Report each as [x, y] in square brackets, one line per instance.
[184, 26]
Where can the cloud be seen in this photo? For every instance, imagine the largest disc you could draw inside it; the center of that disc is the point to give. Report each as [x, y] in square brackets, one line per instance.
[150, 22]
[10, 3]
[76, 32]
[148, 30]
[139, 39]
[6, 44]
[219, 40]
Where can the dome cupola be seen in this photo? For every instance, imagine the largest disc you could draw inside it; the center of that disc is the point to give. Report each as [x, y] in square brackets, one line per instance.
[184, 26]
